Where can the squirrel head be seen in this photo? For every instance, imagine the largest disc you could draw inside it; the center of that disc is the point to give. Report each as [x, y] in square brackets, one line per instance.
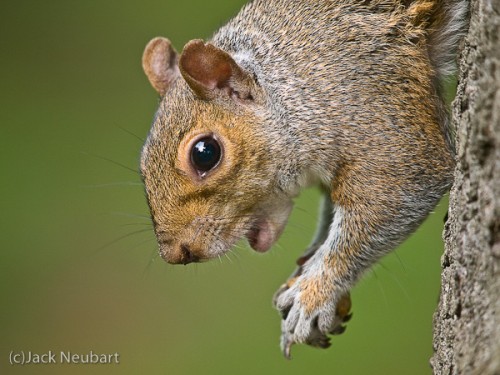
[205, 165]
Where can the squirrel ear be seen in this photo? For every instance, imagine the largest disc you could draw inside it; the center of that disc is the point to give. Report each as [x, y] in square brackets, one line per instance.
[210, 71]
[160, 63]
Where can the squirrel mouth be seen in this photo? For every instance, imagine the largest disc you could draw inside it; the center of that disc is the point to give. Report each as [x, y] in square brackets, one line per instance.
[267, 225]
[263, 235]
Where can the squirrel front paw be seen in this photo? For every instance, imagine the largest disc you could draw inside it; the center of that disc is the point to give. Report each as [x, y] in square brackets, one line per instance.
[309, 315]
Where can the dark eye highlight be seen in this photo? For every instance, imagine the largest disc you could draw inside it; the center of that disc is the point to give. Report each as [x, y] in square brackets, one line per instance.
[205, 154]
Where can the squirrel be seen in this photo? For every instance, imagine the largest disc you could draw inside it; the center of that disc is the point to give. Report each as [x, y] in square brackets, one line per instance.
[343, 94]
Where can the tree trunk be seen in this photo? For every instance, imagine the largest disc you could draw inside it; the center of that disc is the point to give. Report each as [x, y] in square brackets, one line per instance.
[467, 321]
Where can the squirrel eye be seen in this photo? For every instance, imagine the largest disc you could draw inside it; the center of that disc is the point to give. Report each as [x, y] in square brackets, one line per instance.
[205, 154]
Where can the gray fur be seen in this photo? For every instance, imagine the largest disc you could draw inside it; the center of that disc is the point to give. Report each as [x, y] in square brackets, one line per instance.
[346, 96]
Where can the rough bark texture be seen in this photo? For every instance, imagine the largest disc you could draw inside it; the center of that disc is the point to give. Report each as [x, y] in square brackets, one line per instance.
[467, 321]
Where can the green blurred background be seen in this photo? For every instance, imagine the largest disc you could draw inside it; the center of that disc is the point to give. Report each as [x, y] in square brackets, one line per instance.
[78, 263]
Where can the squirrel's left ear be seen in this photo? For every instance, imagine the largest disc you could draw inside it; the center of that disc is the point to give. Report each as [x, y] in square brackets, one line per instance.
[160, 63]
[210, 72]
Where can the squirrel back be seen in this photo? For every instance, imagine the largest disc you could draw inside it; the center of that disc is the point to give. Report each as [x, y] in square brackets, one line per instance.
[347, 62]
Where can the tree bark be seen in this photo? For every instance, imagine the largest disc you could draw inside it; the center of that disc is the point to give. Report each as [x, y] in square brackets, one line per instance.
[467, 320]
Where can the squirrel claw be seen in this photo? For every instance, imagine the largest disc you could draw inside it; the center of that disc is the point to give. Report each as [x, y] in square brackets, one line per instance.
[320, 341]
[287, 350]
[338, 330]
[343, 314]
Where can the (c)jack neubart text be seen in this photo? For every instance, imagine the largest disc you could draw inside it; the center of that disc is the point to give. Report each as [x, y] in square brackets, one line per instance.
[62, 357]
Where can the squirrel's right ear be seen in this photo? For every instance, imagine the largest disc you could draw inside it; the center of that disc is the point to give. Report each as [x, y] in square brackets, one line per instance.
[210, 72]
[161, 64]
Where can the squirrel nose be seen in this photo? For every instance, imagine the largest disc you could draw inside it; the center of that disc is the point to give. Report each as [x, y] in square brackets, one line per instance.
[175, 253]
[187, 256]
